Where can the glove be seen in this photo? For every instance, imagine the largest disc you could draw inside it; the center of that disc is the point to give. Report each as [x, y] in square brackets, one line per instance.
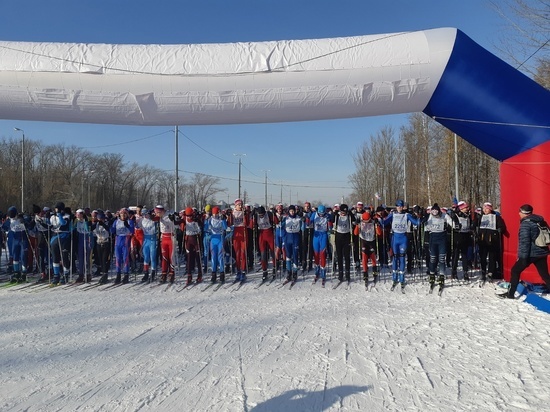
[126, 223]
[171, 217]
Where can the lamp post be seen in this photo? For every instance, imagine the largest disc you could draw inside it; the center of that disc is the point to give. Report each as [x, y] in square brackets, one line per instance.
[22, 168]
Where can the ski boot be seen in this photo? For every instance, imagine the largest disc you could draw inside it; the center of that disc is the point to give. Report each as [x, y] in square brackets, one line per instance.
[145, 277]
[466, 277]
[79, 279]
[104, 279]
[126, 278]
[213, 278]
[264, 276]
[163, 277]
[118, 278]
[222, 277]
[366, 278]
[432, 281]
[199, 278]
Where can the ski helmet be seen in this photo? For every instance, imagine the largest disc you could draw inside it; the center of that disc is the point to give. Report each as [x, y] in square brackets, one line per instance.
[321, 209]
[400, 203]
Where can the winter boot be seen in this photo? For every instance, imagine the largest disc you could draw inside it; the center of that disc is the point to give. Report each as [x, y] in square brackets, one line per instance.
[118, 278]
[126, 279]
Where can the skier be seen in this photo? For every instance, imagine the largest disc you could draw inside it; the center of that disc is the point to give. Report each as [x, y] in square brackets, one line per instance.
[280, 254]
[16, 228]
[321, 226]
[462, 240]
[290, 227]
[238, 220]
[137, 240]
[263, 225]
[216, 226]
[489, 226]
[357, 212]
[398, 220]
[192, 240]
[60, 243]
[123, 228]
[150, 245]
[343, 227]
[307, 237]
[167, 227]
[437, 224]
[84, 234]
[101, 230]
[367, 231]
[528, 252]
[205, 238]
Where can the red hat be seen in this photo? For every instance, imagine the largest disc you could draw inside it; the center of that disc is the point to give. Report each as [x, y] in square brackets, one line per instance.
[365, 216]
[188, 211]
[215, 210]
[462, 205]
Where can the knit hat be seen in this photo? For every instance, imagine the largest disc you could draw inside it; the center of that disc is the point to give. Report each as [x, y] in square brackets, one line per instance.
[462, 205]
[488, 204]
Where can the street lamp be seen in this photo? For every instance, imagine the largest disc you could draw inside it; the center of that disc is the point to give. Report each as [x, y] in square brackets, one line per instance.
[22, 168]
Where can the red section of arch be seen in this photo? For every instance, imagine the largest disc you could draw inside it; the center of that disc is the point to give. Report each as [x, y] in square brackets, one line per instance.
[524, 178]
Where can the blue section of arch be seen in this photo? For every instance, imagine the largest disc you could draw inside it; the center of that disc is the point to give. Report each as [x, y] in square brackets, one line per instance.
[489, 103]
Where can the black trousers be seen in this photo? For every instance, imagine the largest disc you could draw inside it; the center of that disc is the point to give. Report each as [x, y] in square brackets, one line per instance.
[542, 267]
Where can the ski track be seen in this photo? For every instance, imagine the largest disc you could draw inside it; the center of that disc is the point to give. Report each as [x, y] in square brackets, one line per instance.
[271, 349]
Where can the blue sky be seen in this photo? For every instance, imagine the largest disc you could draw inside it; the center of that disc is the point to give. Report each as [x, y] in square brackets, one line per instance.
[311, 160]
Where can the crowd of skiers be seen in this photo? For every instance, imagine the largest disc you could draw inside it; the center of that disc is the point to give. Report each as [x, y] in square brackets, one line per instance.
[58, 243]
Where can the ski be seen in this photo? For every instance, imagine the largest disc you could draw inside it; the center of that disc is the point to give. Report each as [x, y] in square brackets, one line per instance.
[241, 283]
[218, 286]
[272, 280]
[263, 282]
[292, 284]
[231, 284]
[169, 286]
[29, 285]
[92, 286]
[282, 285]
[338, 284]
[114, 285]
[189, 285]
[207, 287]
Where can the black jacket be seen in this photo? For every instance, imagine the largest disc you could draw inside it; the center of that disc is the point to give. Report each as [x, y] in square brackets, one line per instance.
[528, 232]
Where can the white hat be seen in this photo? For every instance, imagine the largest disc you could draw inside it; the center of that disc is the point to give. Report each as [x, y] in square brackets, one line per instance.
[80, 211]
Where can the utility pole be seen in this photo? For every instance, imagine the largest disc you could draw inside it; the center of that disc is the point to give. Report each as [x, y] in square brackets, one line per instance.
[265, 184]
[240, 156]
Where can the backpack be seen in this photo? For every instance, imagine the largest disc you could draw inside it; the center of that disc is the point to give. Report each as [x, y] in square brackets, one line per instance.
[543, 238]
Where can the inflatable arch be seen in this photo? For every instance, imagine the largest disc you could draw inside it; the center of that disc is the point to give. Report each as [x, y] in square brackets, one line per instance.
[440, 72]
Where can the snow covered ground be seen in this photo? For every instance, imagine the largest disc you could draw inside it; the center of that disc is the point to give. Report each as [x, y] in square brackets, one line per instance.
[271, 349]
